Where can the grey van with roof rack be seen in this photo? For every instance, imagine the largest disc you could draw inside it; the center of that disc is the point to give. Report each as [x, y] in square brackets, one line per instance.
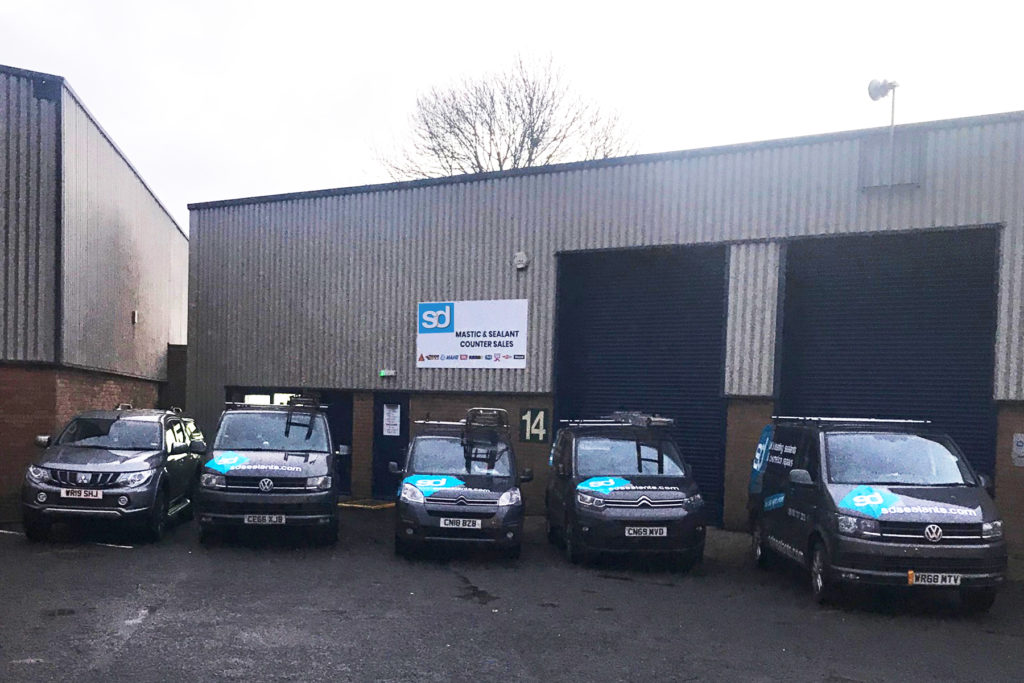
[460, 485]
[271, 466]
[620, 485]
[875, 502]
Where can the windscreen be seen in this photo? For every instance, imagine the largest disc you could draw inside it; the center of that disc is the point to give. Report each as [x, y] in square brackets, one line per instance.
[880, 458]
[599, 456]
[270, 431]
[448, 455]
[113, 434]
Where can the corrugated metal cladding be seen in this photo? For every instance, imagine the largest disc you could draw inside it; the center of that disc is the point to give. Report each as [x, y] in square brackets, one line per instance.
[884, 325]
[753, 307]
[122, 253]
[28, 216]
[643, 329]
[338, 276]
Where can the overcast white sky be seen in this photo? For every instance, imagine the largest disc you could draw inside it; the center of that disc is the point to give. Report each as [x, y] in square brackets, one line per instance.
[214, 100]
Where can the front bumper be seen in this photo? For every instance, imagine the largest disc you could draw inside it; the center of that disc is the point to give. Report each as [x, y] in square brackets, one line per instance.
[419, 523]
[225, 508]
[856, 560]
[56, 508]
[605, 531]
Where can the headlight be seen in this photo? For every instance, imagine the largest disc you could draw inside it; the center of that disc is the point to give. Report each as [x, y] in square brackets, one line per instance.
[992, 529]
[319, 483]
[857, 526]
[411, 494]
[38, 473]
[589, 501]
[694, 501]
[212, 481]
[510, 497]
[133, 479]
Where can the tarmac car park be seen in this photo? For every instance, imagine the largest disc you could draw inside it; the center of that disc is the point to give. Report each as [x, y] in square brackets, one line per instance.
[460, 486]
[271, 466]
[875, 502]
[135, 467]
[620, 485]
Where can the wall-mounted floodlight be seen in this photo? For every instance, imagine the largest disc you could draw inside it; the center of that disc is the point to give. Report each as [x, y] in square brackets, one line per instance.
[877, 89]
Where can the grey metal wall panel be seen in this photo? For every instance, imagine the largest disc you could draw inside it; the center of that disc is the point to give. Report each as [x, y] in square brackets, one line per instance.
[122, 252]
[320, 291]
[751, 321]
[28, 219]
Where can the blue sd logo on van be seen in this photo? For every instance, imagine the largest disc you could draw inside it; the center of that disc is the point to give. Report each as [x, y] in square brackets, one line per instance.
[431, 484]
[222, 462]
[436, 317]
[869, 501]
[761, 459]
[604, 484]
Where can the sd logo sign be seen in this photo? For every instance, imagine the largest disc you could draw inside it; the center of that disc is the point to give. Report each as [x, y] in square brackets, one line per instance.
[436, 317]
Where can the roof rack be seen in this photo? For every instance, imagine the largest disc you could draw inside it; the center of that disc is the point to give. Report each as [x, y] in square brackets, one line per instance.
[487, 417]
[858, 420]
[622, 417]
[175, 409]
[124, 406]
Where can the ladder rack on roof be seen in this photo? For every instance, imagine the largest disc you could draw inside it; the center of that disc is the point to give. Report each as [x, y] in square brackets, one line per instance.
[634, 419]
[854, 420]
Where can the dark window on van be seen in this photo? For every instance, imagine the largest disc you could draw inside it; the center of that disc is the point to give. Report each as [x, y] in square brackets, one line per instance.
[253, 431]
[600, 455]
[886, 458]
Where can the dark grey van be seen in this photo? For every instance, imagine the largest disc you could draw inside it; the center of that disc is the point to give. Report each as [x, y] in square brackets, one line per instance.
[876, 502]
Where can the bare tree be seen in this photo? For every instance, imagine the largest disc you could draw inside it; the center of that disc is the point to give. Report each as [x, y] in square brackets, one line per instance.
[522, 117]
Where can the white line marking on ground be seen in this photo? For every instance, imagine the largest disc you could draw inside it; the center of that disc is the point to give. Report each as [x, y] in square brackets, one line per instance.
[143, 613]
[114, 545]
[12, 533]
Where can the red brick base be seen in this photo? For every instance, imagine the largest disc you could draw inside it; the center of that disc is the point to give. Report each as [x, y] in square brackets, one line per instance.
[39, 400]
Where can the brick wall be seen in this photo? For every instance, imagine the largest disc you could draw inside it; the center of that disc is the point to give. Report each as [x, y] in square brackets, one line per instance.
[532, 455]
[79, 390]
[27, 403]
[746, 418]
[362, 444]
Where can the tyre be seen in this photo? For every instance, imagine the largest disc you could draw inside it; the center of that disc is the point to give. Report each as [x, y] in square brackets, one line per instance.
[977, 600]
[823, 587]
[402, 547]
[326, 536]
[758, 545]
[36, 529]
[552, 532]
[156, 524]
[573, 551]
[514, 552]
[206, 533]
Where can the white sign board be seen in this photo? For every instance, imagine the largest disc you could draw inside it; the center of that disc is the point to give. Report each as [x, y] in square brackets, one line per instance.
[1018, 450]
[472, 334]
[392, 419]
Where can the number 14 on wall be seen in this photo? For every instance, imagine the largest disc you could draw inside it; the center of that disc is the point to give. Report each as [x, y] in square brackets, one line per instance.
[533, 425]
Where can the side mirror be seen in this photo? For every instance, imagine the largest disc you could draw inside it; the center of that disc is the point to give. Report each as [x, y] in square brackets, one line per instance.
[527, 475]
[988, 484]
[43, 440]
[393, 468]
[178, 449]
[800, 478]
[198, 446]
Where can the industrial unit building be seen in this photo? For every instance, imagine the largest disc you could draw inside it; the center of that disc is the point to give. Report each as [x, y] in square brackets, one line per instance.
[93, 270]
[853, 274]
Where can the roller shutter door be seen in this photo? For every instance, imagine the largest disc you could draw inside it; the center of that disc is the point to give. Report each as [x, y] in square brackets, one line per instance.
[645, 330]
[894, 326]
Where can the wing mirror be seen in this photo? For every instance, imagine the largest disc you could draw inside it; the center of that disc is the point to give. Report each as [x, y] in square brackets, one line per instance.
[198, 446]
[988, 484]
[800, 478]
[43, 440]
[393, 468]
[526, 475]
